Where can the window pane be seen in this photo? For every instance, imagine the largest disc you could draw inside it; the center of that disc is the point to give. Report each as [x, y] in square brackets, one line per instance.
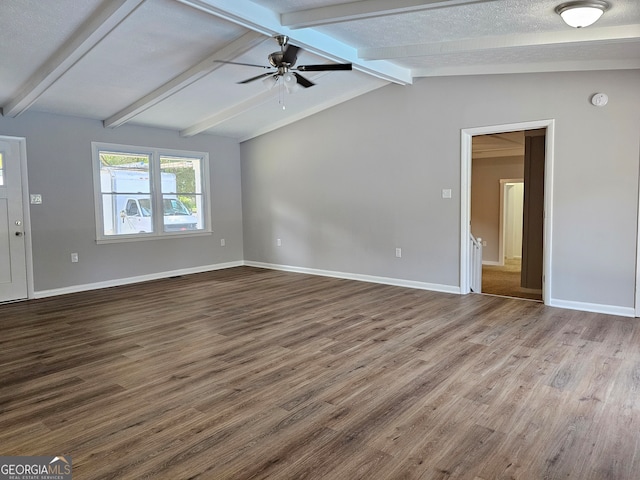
[125, 185]
[182, 193]
[1, 170]
[147, 193]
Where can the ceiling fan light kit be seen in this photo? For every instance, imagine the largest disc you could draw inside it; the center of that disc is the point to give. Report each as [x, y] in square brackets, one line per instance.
[582, 13]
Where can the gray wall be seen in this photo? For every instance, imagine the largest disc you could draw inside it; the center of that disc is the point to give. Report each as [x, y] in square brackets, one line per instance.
[345, 187]
[60, 168]
[486, 174]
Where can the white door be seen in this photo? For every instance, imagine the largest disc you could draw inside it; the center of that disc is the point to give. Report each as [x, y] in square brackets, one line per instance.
[13, 268]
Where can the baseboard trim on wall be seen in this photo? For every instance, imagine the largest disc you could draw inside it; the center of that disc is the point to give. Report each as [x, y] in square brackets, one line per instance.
[594, 307]
[137, 279]
[571, 305]
[397, 282]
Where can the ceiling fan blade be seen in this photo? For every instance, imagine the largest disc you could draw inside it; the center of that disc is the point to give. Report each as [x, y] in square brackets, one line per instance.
[290, 55]
[258, 77]
[325, 67]
[240, 63]
[304, 82]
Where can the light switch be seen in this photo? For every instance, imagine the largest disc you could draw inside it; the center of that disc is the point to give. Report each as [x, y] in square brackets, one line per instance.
[446, 193]
[36, 199]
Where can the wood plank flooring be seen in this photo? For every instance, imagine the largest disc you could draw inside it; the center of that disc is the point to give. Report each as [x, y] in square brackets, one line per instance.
[249, 373]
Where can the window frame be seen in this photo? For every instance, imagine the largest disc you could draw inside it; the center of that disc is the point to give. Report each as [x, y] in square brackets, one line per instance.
[155, 195]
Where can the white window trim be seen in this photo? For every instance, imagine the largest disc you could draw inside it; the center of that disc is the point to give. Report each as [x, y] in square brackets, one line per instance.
[154, 154]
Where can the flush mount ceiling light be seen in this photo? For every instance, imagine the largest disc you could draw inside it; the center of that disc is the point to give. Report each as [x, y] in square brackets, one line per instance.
[582, 13]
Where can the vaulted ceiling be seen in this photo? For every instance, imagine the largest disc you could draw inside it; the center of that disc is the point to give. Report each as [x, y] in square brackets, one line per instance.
[158, 62]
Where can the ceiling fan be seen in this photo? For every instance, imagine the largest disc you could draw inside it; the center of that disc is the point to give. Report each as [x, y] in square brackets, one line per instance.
[282, 65]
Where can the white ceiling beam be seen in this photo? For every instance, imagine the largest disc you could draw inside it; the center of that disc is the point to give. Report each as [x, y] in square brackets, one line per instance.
[537, 67]
[260, 19]
[347, 12]
[108, 16]
[618, 34]
[186, 78]
[270, 96]
[226, 114]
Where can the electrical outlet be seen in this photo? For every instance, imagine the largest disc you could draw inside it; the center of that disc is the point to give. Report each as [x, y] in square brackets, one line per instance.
[74, 258]
[222, 242]
[484, 243]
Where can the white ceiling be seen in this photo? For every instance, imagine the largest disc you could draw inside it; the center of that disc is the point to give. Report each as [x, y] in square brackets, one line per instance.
[152, 62]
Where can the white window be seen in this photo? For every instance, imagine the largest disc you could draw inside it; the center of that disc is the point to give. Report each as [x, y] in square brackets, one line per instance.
[149, 193]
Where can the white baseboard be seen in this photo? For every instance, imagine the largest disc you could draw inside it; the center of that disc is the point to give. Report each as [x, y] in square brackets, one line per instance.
[137, 279]
[492, 262]
[594, 307]
[583, 306]
[362, 278]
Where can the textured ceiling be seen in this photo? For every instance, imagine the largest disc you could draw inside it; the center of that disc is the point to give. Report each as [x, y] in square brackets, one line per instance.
[494, 18]
[153, 62]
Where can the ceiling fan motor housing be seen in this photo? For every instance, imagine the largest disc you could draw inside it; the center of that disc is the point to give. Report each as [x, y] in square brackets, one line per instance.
[275, 59]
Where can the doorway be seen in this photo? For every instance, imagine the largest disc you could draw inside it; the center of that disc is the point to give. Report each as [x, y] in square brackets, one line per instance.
[537, 223]
[505, 211]
[14, 221]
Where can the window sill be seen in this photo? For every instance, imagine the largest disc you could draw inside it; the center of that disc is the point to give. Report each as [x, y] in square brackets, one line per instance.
[150, 236]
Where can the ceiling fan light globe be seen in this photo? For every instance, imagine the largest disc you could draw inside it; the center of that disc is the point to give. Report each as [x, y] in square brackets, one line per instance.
[290, 82]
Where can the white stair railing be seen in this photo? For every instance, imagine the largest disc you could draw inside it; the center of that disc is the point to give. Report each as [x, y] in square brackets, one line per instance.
[475, 264]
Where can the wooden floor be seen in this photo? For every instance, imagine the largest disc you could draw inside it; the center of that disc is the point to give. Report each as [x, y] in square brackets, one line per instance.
[250, 373]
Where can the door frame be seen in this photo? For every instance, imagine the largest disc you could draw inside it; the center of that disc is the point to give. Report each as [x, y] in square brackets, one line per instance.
[466, 139]
[637, 292]
[26, 213]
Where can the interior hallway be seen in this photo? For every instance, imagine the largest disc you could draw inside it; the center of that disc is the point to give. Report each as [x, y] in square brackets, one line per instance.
[505, 281]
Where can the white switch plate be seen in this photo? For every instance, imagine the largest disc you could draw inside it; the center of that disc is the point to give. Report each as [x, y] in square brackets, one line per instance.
[222, 242]
[446, 193]
[74, 258]
[398, 252]
[36, 199]
[278, 242]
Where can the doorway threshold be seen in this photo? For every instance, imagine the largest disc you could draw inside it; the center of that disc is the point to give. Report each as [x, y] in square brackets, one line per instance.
[534, 300]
